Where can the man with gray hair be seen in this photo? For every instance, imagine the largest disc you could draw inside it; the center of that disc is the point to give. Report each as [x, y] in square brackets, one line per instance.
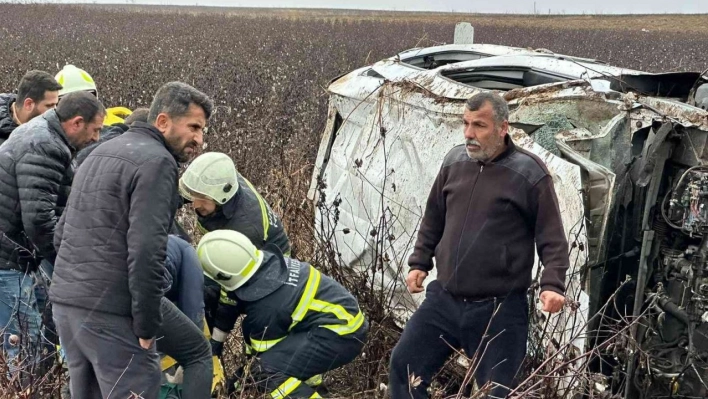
[489, 204]
[109, 277]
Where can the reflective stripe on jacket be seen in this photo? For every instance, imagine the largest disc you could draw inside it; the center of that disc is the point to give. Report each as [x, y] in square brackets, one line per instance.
[249, 214]
[308, 299]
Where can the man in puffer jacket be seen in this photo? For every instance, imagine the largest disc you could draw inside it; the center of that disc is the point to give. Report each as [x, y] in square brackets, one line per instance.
[299, 323]
[107, 285]
[35, 177]
[36, 93]
[115, 130]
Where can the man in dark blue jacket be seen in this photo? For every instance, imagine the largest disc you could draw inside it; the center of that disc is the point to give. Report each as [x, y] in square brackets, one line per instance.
[181, 334]
[299, 322]
[185, 279]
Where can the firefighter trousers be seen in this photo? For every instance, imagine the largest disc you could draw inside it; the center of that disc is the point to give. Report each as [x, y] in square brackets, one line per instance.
[282, 370]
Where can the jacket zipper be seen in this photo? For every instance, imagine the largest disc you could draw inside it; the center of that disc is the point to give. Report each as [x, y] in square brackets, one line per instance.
[467, 213]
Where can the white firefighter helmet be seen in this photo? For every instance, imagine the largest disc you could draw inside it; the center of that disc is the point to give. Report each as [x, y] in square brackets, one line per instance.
[213, 175]
[229, 258]
[74, 79]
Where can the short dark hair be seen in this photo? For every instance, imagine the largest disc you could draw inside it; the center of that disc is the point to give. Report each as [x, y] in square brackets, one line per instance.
[34, 84]
[139, 115]
[79, 103]
[498, 103]
[174, 99]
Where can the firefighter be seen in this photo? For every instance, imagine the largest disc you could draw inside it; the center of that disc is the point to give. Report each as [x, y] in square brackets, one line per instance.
[224, 199]
[299, 323]
[75, 79]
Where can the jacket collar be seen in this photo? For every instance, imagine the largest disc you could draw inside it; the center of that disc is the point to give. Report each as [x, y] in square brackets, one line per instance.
[152, 132]
[229, 208]
[55, 126]
[271, 275]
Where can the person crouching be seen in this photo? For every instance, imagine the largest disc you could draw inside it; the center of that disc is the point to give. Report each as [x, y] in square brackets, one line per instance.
[299, 323]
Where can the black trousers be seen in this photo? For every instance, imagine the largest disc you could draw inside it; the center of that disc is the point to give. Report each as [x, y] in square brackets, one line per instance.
[496, 345]
[282, 370]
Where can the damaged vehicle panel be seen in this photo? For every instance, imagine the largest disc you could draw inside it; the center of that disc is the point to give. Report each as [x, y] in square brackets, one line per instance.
[628, 151]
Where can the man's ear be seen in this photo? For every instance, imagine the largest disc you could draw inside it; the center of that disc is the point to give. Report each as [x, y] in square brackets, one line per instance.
[28, 103]
[504, 128]
[162, 122]
[77, 122]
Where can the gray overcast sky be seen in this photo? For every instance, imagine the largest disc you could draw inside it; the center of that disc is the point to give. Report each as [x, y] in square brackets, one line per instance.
[481, 6]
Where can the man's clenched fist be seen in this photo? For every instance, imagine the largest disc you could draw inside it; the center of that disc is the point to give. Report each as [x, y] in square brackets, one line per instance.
[552, 301]
[414, 281]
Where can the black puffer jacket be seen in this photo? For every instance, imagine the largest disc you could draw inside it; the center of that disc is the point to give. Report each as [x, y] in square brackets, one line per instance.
[112, 238]
[107, 133]
[7, 123]
[35, 179]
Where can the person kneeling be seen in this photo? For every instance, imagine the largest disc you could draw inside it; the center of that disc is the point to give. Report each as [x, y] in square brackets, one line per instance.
[299, 323]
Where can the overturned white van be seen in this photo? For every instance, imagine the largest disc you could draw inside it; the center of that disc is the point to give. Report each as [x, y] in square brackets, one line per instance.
[627, 151]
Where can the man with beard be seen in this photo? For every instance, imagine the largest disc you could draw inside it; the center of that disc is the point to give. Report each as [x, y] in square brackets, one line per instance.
[108, 281]
[35, 178]
[489, 204]
[37, 93]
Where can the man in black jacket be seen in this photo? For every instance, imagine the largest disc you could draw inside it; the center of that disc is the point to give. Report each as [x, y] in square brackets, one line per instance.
[223, 199]
[113, 131]
[490, 205]
[37, 93]
[109, 273]
[35, 177]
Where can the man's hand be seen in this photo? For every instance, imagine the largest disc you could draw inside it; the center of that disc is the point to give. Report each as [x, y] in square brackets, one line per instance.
[146, 343]
[414, 281]
[552, 301]
[216, 347]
